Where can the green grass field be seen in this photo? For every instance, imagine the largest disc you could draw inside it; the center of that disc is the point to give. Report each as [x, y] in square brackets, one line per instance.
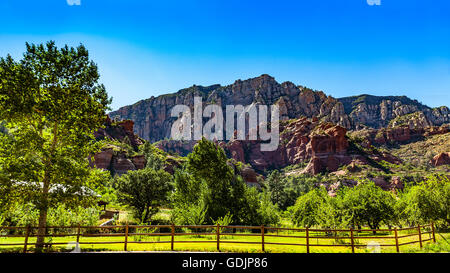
[246, 243]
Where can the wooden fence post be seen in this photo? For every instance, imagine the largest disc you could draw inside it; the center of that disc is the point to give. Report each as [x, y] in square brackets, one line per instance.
[26, 240]
[218, 237]
[352, 241]
[307, 240]
[432, 229]
[396, 240]
[126, 238]
[262, 238]
[173, 236]
[420, 235]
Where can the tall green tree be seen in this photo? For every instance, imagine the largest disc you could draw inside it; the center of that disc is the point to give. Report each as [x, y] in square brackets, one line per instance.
[277, 186]
[429, 201]
[144, 190]
[51, 103]
[368, 204]
[210, 180]
[306, 209]
[208, 164]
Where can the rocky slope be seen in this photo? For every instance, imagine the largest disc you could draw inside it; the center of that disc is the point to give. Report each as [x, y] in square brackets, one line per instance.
[120, 153]
[153, 122]
[319, 146]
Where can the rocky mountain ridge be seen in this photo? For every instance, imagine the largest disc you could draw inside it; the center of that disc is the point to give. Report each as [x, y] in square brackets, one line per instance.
[153, 121]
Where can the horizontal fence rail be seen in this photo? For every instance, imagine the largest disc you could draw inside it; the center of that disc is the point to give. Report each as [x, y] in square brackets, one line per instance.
[311, 236]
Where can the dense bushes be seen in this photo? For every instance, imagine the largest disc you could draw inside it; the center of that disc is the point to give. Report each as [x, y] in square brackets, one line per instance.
[368, 205]
[145, 191]
[209, 187]
[426, 202]
[306, 209]
[28, 215]
[284, 191]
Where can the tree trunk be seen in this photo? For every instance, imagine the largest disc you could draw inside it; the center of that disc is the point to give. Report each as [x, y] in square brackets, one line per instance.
[42, 218]
[45, 189]
[144, 220]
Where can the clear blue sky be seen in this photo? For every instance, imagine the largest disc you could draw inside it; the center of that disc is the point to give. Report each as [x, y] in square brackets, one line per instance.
[343, 47]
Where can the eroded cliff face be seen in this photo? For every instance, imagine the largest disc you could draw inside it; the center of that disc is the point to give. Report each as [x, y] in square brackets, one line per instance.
[392, 111]
[320, 146]
[120, 131]
[153, 121]
[152, 116]
[399, 135]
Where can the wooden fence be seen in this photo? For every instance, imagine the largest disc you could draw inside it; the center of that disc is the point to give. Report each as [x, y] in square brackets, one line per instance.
[217, 231]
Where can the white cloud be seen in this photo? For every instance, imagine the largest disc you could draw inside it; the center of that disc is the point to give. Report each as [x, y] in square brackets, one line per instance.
[73, 2]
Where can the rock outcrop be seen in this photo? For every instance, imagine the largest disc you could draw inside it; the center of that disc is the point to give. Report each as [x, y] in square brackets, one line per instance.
[122, 131]
[103, 159]
[441, 159]
[111, 157]
[301, 140]
[400, 134]
[322, 146]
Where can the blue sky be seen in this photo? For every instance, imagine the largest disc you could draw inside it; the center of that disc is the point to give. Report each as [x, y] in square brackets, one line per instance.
[345, 47]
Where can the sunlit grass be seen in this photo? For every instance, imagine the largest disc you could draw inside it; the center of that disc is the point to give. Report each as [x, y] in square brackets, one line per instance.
[196, 243]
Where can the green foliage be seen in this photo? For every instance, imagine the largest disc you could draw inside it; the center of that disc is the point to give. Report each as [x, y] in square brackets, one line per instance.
[51, 103]
[367, 204]
[426, 202]
[187, 190]
[210, 181]
[276, 184]
[144, 190]
[28, 215]
[221, 191]
[194, 214]
[268, 212]
[331, 216]
[306, 208]
[64, 216]
[224, 221]
[284, 190]
[156, 159]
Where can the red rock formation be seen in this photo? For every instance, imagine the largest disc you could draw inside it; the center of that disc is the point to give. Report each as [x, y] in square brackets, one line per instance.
[139, 161]
[249, 175]
[441, 159]
[396, 183]
[118, 163]
[301, 140]
[323, 145]
[118, 131]
[402, 134]
[236, 150]
[172, 163]
[102, 160]
[121, 164]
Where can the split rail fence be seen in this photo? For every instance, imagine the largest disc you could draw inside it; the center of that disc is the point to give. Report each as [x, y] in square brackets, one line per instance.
[310, 237]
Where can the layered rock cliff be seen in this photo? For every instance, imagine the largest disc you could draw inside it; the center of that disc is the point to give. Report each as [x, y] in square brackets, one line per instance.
[318, 146]
[153, 121]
